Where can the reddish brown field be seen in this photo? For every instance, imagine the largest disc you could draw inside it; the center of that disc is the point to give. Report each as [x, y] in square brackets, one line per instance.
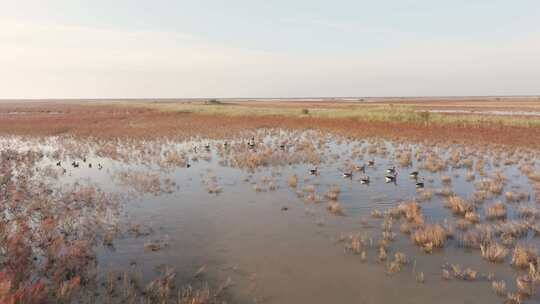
[106, 121]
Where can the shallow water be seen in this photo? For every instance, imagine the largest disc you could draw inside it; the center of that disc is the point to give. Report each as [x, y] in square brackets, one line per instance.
[242, 235]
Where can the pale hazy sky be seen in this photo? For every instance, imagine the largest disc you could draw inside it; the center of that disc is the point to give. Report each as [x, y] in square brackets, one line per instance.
[256, 48]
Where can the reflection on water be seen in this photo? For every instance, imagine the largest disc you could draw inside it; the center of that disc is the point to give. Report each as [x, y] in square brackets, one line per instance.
[223, 212]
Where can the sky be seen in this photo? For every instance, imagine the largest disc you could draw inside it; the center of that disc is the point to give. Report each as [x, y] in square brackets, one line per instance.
[255, 48]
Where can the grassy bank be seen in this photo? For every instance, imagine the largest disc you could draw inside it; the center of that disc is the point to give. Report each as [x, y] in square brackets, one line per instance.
[365, 112]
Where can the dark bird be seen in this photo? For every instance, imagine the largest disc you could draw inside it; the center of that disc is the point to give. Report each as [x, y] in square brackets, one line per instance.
[364, 180]
[391, 178]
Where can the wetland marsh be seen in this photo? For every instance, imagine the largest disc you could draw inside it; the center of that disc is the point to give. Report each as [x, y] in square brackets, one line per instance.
[268, 215]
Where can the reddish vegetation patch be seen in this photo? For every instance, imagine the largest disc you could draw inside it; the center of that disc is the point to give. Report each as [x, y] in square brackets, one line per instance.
[119, 121]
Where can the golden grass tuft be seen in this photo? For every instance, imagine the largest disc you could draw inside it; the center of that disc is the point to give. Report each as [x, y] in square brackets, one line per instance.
[458, 205]
[445, 179]
[525, 286]
[467, 274]
[412, 212]
[496, 211]
[376, 213]
[523, 255]
[472, 217]
[293, 181]
[494, 252]
[430, 236]
[499, 287]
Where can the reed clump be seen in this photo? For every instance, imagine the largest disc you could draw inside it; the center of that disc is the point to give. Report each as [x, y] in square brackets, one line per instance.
[523, 255]
[412, 213]
[458, 206]
[494, 252]
[429, 236]
[496, 211]
[499, 287]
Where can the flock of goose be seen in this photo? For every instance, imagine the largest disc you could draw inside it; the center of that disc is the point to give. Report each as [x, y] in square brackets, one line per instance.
[76, 164]
[390, 177]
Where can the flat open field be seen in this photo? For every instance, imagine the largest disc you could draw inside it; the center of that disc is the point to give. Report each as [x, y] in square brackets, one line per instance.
[403, 120]
[237, 201]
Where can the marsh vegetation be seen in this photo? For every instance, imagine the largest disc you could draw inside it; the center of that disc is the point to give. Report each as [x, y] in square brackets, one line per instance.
[267, 215]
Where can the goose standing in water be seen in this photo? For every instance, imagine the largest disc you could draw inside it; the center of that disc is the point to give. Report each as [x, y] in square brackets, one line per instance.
[251, 143]
[414, 174]
[419, 185]
[364, 180]
[391, 170]
[371, 162]
[313, 171]
[391, 178]
[347, 174]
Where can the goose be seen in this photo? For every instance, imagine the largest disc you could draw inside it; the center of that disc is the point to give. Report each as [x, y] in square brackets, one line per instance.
[347, 174]
[313, 171]
[414, 174]
[58, 164]
[84, 159]
[419, 185]
[207, 147]
[364, 180]
[251, 143]
[100, 166]
[371, 162]
[90, 165]
[188, 165]
[390, 178]
[282, 146]
[391, 170]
